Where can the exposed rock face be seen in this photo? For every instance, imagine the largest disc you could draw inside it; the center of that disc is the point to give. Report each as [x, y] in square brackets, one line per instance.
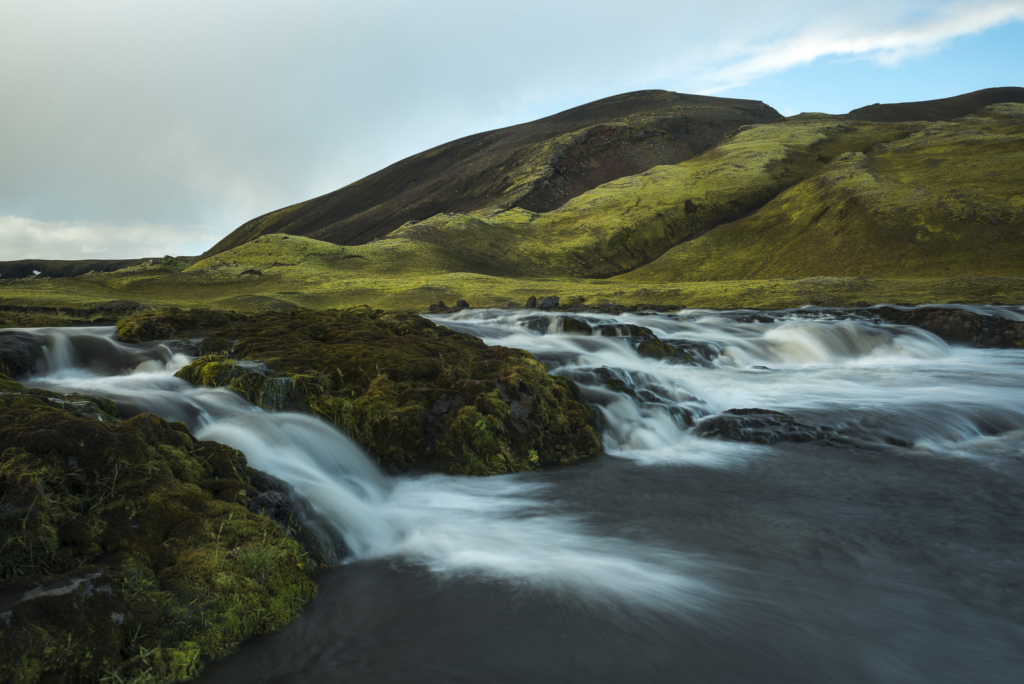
[129, 547]
[413, 393]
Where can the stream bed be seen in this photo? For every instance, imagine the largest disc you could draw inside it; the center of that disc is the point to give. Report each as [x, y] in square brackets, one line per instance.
[875, 533]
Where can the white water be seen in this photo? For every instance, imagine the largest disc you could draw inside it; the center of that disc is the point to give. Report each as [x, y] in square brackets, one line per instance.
[876, 383]
[499, 528]
[872, 383]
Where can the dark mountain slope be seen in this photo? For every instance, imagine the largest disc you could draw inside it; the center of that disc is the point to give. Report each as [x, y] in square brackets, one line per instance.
[536, 166]
[49, 268]
[945, 109]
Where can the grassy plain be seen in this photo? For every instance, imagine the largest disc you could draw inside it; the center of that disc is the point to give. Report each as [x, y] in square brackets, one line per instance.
[398, 275]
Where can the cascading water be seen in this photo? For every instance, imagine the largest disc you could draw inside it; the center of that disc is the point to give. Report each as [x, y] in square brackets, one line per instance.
[888, 548]
[496, 528]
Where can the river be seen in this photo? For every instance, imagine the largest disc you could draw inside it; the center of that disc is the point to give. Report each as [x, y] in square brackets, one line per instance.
[887, 547]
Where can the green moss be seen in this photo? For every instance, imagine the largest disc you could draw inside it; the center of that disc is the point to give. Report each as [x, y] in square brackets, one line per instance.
[131, 548]
[412, 393]
[939, 201]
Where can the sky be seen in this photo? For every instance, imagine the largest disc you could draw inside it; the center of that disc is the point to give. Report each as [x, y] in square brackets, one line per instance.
[137, 129]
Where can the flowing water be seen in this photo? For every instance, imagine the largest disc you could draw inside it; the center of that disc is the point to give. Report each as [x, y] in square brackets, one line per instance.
[889, 548]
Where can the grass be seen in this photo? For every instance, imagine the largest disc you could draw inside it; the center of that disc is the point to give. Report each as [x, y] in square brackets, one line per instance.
[914, 212]
[318, 285]
[949, 198]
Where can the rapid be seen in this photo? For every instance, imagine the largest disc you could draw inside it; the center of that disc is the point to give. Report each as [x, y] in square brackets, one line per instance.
[879, 540]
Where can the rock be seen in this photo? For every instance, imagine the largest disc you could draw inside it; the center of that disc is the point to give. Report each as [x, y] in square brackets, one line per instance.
[439, 308]
[275, 505]
[461, 304]
[958, 326]
[109, 525]
[414, 394]
[613, 382]
[755, 425]
[531, 303]
[576, 325]
[693, 352]
[548, 303]
[643, 340]
[19, 352]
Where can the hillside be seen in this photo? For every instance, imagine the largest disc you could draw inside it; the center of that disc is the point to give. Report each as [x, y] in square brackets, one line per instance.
[947, 199]
[537, 166]
[945, 109]
[813, 208]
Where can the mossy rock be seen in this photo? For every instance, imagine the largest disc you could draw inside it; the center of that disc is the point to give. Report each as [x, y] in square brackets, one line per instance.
[166, 323]
[414, 394]
[129, 552]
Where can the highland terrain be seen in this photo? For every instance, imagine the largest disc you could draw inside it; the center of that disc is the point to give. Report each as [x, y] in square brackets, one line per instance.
[136, 550]
[645, 198]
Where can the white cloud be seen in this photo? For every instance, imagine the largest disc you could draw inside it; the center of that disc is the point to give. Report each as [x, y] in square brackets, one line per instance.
[886, 42]
[31, 239]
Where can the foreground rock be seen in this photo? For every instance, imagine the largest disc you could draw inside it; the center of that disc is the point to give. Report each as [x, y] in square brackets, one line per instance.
[130, 552]
[414, 394]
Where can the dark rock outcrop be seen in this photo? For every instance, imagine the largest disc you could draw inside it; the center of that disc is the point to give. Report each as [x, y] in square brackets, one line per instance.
[958, 326]
[756, 425]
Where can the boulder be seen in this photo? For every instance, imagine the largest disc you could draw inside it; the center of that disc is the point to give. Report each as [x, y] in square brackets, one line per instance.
[548, 303]
[756, 425]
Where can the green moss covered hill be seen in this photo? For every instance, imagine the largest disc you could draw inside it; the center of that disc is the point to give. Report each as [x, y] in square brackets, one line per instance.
[646, 198]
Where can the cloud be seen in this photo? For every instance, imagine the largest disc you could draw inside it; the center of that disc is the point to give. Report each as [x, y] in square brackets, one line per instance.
[886, 43]
[31, 239]
[202, 113]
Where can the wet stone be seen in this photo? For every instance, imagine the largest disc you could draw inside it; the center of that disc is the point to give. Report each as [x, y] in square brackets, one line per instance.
[576, 325]
[760, 426]
[548, 303]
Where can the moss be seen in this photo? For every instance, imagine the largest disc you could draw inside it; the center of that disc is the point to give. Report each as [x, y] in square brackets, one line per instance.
[128, 556]
[938, 201]
[162, 325]
[414, 394]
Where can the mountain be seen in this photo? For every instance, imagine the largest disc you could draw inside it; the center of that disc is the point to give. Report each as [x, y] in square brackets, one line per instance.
[945, 109]
[813, 208]
[537, 166]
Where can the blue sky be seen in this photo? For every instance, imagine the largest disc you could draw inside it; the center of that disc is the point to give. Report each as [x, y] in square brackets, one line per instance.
[836, 85]
[135, 129]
